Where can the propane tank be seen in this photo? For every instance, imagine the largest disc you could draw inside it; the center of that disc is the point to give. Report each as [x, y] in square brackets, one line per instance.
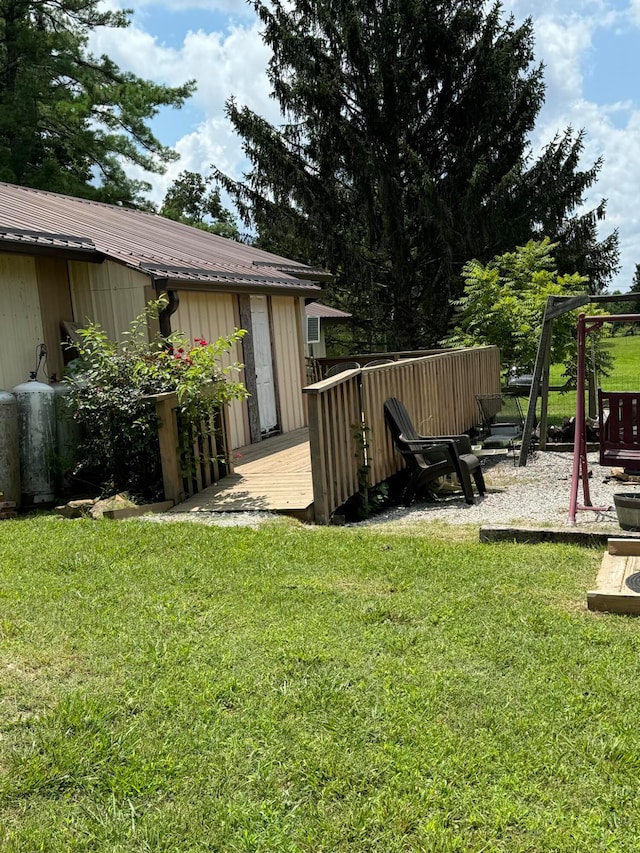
[67, 433]
[36, 434]
[9, 449]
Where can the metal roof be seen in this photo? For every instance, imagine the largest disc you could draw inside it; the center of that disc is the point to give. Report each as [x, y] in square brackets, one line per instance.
[179, 254]
[317, 309]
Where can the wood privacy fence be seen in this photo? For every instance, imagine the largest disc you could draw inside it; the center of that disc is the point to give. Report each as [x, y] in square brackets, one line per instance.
[347, 431]
[192, 457]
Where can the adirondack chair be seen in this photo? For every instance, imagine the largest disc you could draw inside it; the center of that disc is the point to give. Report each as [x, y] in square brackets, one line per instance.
[430, 457]
[619, 433]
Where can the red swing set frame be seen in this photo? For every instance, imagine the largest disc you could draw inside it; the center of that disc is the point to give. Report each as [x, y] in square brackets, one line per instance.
[586, 325]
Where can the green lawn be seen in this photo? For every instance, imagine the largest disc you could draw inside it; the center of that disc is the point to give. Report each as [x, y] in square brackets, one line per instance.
[184, 688]
[625, 376]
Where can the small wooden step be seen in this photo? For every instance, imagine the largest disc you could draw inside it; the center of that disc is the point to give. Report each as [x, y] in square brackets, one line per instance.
[612, 593]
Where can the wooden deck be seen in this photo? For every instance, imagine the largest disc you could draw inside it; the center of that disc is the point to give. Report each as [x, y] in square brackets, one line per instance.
[273, 476]
[612, 594]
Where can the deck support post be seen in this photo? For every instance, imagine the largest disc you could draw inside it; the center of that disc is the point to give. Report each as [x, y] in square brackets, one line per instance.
[168, 438]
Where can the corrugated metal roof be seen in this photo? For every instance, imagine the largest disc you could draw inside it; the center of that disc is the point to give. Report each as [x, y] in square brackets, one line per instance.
[300, 270]
[317, 309]
[144, 241]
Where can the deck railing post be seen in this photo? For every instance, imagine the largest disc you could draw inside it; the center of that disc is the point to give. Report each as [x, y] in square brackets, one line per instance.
[166, 405]
[321, 509]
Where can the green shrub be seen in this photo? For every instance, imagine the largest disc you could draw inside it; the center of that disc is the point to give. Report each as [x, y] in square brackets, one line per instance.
[112, 385]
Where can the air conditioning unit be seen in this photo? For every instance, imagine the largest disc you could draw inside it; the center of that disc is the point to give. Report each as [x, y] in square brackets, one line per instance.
[313, 330]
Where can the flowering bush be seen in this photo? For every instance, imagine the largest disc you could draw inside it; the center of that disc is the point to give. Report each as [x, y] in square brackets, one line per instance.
[112, 383]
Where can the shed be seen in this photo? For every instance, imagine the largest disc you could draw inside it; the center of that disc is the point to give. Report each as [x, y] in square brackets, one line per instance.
[70, 260]
[317, 317]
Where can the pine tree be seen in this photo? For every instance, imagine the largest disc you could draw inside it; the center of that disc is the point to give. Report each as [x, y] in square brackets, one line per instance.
[403, 152]
[70, 120]
[546, 194]
[193, 200]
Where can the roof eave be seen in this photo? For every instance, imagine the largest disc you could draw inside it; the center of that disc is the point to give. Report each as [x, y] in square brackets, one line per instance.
[17, 247]
[299, 270]
[161, 283]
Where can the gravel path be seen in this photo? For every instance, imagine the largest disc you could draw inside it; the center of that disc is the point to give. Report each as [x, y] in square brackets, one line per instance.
[537, 495]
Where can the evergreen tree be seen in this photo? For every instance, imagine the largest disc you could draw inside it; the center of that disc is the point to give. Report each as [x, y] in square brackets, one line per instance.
[191, 199]
[546, 195]
[634, 307]
[403, 152]
[70, 120]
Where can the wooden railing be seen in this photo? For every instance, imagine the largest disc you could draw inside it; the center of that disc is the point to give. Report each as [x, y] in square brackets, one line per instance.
[324, 363]
[335, 417]
[346, 412]
[192, 458]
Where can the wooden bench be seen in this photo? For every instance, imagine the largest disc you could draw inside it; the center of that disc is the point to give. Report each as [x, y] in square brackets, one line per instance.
[619, 419]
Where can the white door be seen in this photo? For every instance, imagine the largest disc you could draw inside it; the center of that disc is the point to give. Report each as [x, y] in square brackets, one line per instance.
[264, 366]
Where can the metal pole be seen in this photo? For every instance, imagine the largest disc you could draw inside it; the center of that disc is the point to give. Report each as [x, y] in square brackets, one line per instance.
[545, 338]
[544, 400]
[579, 437]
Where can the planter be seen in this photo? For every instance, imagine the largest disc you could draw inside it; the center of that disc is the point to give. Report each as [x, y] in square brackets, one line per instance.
[628, 509]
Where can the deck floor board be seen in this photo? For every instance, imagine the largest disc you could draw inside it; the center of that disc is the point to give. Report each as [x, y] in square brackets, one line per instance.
[273, 475]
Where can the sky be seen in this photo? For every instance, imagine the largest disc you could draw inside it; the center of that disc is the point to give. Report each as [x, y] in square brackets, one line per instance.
[590, 50]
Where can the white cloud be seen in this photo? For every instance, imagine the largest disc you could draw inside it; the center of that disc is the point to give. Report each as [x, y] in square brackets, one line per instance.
[565, 31]
[562, 45]
[224, 64]
[213, 142]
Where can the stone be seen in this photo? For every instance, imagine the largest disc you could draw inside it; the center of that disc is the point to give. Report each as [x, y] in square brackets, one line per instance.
[76, 509]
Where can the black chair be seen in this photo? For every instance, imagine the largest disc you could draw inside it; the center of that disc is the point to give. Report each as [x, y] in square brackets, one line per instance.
[430, 457]
[502, 422]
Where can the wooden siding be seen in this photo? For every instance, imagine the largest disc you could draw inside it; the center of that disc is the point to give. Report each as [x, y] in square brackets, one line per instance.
[55, 306]
[109, 294]
[288, 354]
[211, 316]
[20, 319]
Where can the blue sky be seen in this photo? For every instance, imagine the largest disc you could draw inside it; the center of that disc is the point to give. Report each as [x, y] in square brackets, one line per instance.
[590, 49]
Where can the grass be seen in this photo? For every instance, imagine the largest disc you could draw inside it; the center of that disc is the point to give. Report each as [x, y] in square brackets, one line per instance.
[625, 376]
[186, 688]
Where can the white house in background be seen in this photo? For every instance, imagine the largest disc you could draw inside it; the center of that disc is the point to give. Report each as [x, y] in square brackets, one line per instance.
[66, 260]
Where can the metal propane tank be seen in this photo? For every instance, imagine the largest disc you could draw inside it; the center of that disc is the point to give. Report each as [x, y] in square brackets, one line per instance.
[67, 434]
[9, 448]
[36, 435]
